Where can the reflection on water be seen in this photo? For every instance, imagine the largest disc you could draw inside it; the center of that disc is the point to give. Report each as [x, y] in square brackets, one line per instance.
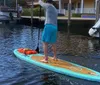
[75, 44]
[77, 48]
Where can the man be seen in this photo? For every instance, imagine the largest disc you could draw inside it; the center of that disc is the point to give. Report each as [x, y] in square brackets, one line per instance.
[49, 35]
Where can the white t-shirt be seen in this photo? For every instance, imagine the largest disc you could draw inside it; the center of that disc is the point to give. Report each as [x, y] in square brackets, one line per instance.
[50, 13]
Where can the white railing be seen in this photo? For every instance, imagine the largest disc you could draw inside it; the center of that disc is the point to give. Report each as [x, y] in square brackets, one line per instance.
[77, 10]
[62, 11]
[85, 10]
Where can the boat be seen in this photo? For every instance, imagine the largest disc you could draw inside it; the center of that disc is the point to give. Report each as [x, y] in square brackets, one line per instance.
[7, 14]
[94, 31]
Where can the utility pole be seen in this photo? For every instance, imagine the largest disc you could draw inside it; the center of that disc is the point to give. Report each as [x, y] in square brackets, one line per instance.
[32, 12]
[16, 4]
[59, 6]
[97, 10]
[69, 15]
[4, 2]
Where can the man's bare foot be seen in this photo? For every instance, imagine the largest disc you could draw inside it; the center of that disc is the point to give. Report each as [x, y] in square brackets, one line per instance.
[54, 58]
[44, 61]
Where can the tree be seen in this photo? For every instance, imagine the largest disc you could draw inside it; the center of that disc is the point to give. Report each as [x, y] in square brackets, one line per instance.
[21, 2]
[8, 2]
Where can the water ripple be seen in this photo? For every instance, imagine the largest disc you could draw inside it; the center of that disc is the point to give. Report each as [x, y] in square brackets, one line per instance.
[77, 49]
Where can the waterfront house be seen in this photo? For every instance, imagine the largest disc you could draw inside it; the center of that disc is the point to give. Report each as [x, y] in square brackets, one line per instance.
[77, 6]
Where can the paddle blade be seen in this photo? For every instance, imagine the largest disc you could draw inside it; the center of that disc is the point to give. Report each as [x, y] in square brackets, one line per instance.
[37, 49]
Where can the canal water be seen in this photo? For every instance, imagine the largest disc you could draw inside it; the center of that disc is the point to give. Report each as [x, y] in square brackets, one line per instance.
[79, 49]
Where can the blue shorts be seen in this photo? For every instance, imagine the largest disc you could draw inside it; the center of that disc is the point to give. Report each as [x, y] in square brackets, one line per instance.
[49, 34]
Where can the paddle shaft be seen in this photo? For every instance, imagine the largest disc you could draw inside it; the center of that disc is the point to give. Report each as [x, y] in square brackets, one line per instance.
[37, 49]
[32, 13]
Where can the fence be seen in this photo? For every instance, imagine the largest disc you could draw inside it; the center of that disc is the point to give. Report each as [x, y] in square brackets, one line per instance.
[78, 10]
[85, 10]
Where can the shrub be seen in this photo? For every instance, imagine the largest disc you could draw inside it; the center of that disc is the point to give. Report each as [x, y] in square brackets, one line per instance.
[76, 15]
[26, 12]
[36, 12]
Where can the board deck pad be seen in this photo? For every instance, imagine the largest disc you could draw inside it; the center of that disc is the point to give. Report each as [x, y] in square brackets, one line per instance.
[64, 64]
[60, 66]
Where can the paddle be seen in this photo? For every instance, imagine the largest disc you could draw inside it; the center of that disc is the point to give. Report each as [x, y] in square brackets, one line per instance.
[37, 49]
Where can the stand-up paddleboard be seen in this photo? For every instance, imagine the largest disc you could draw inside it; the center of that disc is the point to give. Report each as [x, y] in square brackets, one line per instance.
[60, 66]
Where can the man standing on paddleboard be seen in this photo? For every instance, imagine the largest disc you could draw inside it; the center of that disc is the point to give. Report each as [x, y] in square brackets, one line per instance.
[49, 35]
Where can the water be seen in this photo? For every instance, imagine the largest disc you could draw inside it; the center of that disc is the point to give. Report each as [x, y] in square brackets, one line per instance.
[78, 49]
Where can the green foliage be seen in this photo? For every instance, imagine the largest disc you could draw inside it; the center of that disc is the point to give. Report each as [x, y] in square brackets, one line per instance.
[26, 12]
[22, 2]
[44, 0]
[76, 15]
[12, 3]
[36, 12]
[7, 2]
[88, 14]
[80, 14]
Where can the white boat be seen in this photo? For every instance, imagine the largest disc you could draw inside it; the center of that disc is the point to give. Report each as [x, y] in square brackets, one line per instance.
[4, 16]
[95, 30]
[7, 14]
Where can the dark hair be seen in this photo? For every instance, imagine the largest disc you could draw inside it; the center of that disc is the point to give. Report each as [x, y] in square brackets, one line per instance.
[49, 1]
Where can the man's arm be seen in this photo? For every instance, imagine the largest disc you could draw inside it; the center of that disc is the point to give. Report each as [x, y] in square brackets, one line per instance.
[42, 3]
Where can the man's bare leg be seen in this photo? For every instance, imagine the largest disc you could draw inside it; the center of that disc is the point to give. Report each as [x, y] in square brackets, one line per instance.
[45, 47]
[54, 51]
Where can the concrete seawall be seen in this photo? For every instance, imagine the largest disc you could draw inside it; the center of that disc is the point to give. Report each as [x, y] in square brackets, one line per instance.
[77, 25]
